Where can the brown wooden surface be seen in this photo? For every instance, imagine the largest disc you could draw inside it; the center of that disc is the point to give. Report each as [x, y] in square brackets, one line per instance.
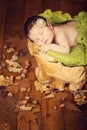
[3, 16]
[13, 14]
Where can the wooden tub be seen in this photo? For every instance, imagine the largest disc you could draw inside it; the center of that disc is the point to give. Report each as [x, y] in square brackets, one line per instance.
[58, 75]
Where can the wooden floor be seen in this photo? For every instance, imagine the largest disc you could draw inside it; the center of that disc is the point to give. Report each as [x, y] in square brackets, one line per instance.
[58, 113]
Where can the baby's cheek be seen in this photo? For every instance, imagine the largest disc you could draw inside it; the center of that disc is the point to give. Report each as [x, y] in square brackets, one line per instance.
[39, 43]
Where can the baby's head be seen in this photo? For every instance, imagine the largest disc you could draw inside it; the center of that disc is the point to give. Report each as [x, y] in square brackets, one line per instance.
[30, 23]
[38, 30]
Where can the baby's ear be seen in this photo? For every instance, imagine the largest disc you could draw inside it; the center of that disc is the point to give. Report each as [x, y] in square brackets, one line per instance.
[49, 25]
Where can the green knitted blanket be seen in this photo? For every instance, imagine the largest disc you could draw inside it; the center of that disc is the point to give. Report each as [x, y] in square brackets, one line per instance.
[78, 54]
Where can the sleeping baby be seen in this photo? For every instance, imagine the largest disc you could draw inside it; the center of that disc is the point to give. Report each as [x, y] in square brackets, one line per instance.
[59, 38]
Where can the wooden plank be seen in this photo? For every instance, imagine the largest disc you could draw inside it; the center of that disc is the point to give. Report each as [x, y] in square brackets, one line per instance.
[51, 117]
[76, 120]
[15, 19]
[14, 31]
[3, 14]
[33, 8]
[40, 6]
[53, 5]
[73, 7]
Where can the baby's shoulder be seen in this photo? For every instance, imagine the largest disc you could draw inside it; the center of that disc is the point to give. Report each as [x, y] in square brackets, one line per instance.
[58, 30]
[65, 25]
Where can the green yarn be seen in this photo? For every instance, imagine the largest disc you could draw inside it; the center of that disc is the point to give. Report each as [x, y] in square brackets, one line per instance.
[78, 54]
[75, 58]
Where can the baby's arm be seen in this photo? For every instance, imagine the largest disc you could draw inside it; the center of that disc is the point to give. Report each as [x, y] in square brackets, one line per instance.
[54, 47]
[63, 43]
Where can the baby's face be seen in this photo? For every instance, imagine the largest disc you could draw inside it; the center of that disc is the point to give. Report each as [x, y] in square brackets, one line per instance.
[41, 35]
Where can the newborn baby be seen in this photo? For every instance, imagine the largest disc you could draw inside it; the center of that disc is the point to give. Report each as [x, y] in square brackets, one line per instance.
[59, 38]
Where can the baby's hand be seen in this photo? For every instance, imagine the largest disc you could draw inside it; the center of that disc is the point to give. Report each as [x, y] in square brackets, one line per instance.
[45, 48]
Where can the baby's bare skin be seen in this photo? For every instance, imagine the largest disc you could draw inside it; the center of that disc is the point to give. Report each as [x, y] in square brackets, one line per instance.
[64, 36]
